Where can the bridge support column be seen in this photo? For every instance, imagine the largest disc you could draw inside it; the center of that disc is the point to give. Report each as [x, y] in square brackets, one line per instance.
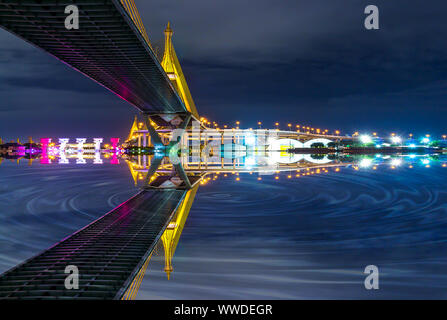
[155, 138]
[167, 123]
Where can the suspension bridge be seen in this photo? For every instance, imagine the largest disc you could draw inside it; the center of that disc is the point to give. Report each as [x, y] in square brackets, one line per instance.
[113, 48]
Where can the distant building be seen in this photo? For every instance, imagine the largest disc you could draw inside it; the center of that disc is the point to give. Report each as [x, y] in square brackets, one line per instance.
[12, 149]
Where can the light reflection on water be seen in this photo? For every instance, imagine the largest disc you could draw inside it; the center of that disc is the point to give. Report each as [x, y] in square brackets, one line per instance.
[308, 237]
[40, 205]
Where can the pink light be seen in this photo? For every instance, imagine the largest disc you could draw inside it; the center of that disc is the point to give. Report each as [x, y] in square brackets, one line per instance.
[114, 159]
[114, 142]
[45, 142]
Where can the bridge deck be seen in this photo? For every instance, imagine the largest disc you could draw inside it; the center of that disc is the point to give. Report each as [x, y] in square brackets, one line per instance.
[108, 47]
[108, 253]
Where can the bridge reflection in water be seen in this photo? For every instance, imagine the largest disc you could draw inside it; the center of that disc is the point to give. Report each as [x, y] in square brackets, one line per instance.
[113, 252]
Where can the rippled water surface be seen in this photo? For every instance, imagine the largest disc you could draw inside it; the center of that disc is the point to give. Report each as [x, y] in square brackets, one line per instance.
[308, 237]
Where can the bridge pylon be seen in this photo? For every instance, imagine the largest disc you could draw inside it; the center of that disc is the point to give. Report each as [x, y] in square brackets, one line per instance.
[171, 66]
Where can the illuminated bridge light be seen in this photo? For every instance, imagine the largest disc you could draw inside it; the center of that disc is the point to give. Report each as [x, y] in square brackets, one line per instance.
[365, 139]
[365, 163]
[395, 139]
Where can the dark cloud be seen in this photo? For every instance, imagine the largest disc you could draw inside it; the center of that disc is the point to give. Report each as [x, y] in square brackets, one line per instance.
[307, 62]
[312, 62]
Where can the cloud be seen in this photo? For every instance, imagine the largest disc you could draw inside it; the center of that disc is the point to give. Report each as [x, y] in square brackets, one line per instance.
[292, 60]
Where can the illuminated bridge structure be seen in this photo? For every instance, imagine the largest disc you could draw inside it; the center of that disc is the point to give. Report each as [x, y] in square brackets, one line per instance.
[110, 253]
[111, 47]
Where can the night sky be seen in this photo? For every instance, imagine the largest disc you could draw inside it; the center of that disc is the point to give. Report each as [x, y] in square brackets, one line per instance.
[303, 62]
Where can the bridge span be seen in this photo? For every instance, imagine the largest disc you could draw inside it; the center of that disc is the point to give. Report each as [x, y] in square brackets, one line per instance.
[109, 252]
[111, 47]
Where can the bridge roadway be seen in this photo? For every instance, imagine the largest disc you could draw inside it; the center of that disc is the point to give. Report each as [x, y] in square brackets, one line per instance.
[109, 252]
[110, 47]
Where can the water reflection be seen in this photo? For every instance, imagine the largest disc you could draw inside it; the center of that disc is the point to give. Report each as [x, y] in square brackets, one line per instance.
[266, 175]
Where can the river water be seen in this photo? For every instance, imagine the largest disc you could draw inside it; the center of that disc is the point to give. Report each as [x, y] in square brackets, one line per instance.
[309, 237]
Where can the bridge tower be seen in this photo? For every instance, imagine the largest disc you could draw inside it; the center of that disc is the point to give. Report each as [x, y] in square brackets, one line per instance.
[170, 239]
[172, 67]
[171, 236]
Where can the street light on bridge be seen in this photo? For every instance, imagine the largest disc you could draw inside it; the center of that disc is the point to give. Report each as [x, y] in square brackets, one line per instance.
[365, 139]
[396, 139]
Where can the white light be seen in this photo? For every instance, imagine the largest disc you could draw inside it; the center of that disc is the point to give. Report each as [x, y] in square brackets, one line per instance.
[98, 142]
[365, 138]
[97, 159]
[412, 145]
[250, 140]
[250, 162]
[396, 139]
[63, 144]
[81, 161]
[63, 158]
[365, 162]
[396, 162]
[80, 142]
[425, 161]
[425, 140]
